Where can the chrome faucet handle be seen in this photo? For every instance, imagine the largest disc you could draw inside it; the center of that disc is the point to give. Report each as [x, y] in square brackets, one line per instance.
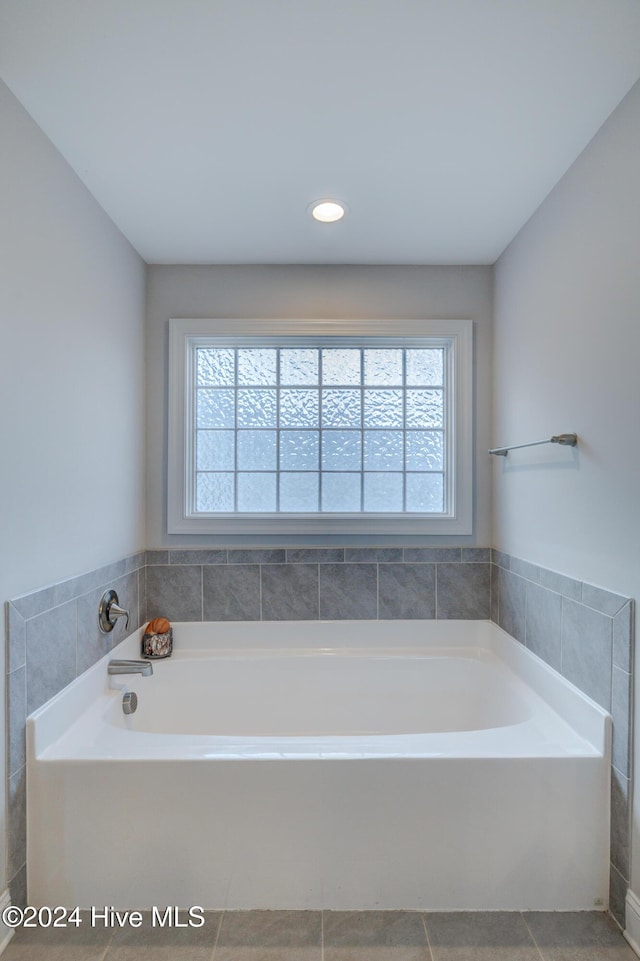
[109, 612]
[116, 611]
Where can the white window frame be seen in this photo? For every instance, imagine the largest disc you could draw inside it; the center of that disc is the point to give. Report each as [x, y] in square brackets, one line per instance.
[455, 335]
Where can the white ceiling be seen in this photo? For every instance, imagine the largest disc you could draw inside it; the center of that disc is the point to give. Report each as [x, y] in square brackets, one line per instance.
[205, 127]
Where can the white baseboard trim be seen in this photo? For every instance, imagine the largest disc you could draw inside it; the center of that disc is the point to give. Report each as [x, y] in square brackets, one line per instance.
[632, 921]
[5, 933]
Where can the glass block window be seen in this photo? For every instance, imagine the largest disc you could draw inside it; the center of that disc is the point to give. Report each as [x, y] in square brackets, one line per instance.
[320, 430]
[330, 426]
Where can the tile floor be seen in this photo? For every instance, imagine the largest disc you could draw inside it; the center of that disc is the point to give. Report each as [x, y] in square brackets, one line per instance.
[338, 936]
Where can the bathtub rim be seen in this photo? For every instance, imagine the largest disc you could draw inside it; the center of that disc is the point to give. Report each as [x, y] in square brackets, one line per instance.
[589, 720]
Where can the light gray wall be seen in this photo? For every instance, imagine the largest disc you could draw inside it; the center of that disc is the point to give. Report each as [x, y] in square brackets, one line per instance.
[72, 373]
[311, 292]
[567, 358]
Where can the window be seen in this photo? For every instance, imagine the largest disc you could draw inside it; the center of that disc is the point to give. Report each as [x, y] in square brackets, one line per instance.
[319, 426]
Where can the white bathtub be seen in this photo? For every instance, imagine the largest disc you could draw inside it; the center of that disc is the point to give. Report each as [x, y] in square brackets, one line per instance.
[345, 765]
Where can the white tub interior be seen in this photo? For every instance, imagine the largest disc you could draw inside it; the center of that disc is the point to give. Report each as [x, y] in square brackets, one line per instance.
[325, 694]
[348, 765]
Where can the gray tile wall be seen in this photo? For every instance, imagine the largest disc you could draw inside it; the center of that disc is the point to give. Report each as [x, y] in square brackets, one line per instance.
[585, 633]
[582, 631]
[53, 637]
[311, 583]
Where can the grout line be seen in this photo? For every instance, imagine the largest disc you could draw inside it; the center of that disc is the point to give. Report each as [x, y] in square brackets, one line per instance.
[490, 592]
[322, 934]
[495, 589]
[106, 950]
[562, 636]
[612, 668]
[615, 868]
[621, 773]
[426, 933]
[215, 943]
[75, 611]
[531, 936]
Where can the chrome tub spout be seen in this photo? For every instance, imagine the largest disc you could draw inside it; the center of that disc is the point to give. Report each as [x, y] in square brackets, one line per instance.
[130, 667]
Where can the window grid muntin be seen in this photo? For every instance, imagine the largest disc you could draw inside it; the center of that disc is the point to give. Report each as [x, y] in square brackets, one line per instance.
[320, 440]
[404, 429]
[440, 346]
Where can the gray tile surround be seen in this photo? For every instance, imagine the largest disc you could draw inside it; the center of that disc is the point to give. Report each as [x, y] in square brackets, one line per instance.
[176, 588]
[348, 591]
[463, 591]
[51, 653]
[587, 650]
[622, 632]
[290, 592]
[52, 638]
[543, 624]
[586, 633]
[17, 828]
[618, 887]
[510, 596]
[583, 631]
[620, 794]
[406, 591]
[228, 593]
[622, 713]
[312, 583]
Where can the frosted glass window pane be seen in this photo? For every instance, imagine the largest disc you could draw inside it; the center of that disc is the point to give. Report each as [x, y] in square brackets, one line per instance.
[341, 492]
[383, 450]
[340, 408]
[383, 492]
[257, 408]
[215, 366]
[257, 492]
[299, 408]
[215, 408]
[214, 492]
[425, 408]
[299, 449]
[307, 428]
[425, 368]
[215, 450]
[383, 408]
[383, 366]
[299, 492]
[298, 366]
[257, 450]
[340, 366]
[257, 365]
[425, 493]
[425, 450]
[341, 450]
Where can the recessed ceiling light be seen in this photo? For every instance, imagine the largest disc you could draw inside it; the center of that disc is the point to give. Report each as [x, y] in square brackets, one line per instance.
[327, 211]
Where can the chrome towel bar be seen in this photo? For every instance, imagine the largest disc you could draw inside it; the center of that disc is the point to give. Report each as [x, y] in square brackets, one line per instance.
[567, 440]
